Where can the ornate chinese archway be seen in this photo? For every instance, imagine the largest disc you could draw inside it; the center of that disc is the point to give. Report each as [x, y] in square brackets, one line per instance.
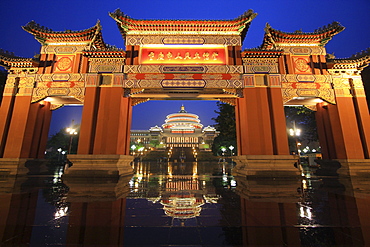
[178, 59]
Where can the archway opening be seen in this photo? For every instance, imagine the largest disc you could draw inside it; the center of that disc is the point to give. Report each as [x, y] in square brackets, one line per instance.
[64, 129]
[174, 129]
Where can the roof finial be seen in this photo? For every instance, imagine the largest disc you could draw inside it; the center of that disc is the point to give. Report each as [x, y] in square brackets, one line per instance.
[182, 109]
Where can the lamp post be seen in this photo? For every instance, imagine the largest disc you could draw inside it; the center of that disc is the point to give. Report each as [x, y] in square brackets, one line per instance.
[133, 147]
[231, 147]
[59, 151]
[71, 132]
[231, 150]
[295, 133]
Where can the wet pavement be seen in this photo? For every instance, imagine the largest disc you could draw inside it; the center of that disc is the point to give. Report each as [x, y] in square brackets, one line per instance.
[184, 204]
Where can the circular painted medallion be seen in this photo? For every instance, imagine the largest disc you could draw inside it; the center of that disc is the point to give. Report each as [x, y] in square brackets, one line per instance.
[64, 63]
[301, 64]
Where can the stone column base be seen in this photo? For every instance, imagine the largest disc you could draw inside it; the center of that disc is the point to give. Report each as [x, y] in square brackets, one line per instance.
[266, 166]
[14, 166]
[99, 165]
[88, 189]
[281, 190]
[354, 167]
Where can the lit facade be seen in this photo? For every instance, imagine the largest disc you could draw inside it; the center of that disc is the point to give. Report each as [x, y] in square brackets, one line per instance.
[181, 129]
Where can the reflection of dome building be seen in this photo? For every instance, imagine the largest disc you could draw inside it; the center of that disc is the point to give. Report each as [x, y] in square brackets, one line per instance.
[181, 129]
[182, 204]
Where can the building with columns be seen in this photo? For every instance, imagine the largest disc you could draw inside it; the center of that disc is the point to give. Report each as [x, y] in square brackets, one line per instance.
[181, 129]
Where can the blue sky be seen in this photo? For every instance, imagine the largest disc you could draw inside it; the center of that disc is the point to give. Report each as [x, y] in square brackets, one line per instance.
[285, 15]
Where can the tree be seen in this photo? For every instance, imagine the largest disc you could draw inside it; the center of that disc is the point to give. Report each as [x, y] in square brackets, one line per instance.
[304, 119]
[154, 142]
[62, 140]
[225, 123]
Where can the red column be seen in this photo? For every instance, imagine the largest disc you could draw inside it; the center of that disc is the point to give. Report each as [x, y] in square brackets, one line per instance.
[123, 145]
[114, 114]
[241, 126]
[41, 131]
[255, 122]
[324, 132]
[363, 119]
[6, 111]
[341, 128]
[349, 129]
[88, 121]
[278, 123]
[24, 132]
[238, 127]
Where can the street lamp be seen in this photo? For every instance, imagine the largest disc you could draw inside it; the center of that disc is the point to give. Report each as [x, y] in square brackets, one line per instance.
[223, 149]
[231, 150]
[133, 147]
[71, 132]
[295, 133]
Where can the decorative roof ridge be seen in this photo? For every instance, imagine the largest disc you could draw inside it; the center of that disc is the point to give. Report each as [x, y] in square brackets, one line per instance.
[34, 26]
[360, 60]
[237, 26]
[362, 55]
[260, 52]
[247, 14]
[320, 36]
[8, 54]
[8, 59]
[110, 48]
[332, 27]
[91, 35]
[259, 48]
[110, 51]
[11, 57]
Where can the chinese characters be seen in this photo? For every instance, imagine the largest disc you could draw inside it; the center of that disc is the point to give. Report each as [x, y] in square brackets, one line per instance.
[205, 56]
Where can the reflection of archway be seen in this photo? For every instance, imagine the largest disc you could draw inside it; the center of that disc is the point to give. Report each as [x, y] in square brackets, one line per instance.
[182, 192]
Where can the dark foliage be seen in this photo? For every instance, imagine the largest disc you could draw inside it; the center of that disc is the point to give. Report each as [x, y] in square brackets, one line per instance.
[225, 123]
[61, 140]
[304, 119]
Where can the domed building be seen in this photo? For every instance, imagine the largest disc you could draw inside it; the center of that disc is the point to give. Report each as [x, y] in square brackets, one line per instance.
[181, 129]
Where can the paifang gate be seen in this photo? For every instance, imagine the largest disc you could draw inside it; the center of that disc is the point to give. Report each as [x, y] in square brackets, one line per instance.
[185, 59]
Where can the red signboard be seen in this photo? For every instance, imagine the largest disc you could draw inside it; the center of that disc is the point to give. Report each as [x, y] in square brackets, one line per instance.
[174, 54]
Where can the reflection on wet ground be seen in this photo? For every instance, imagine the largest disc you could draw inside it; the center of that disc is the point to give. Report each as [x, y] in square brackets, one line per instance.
[184, 204]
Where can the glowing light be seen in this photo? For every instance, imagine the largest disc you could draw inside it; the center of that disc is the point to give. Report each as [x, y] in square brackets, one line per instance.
[61, 212]
[183, 54]
[233, 183]
[71, 131]
[295, 132]
[304, 184]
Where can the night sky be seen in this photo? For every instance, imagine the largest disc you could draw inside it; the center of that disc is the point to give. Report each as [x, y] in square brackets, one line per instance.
[285, 15]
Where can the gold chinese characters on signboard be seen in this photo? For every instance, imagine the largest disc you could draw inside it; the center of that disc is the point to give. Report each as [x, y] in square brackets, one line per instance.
[183, 55]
